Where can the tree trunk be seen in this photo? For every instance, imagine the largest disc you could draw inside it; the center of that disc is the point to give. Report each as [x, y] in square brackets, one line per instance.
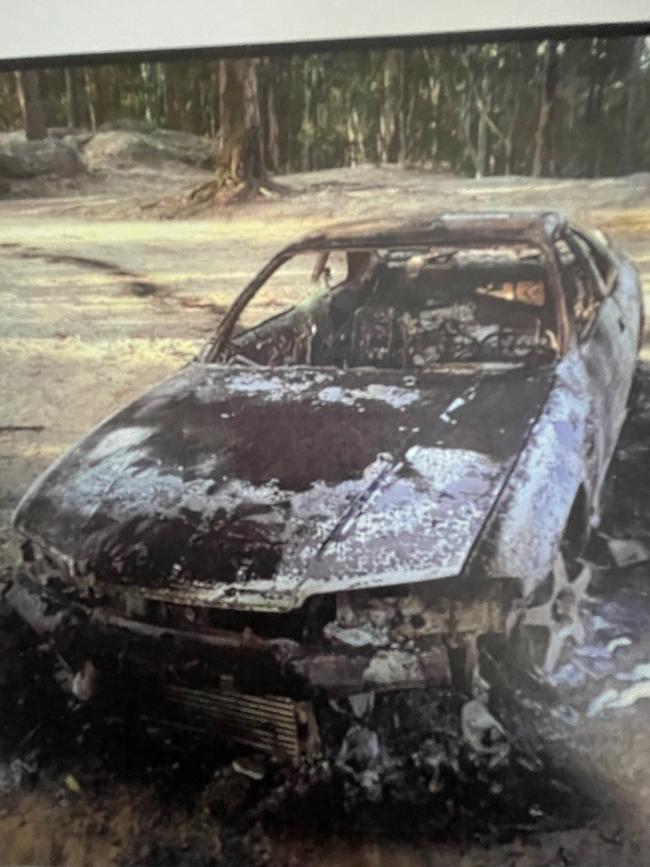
[404, 142]
[388, 145]
[512, 127]
[356, 145]
[434, 87]
[239, 158]
[73, 107]
[271, 130]
[172, 113]
[549, 87]
[101, 95]
[148, 90]
[213, 104]
[482, 140]
[631, 105]
[31, 104]
[481, 147]
[90, 106]
[308, 126]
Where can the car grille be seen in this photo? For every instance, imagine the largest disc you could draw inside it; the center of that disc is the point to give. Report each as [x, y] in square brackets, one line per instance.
[272, 724]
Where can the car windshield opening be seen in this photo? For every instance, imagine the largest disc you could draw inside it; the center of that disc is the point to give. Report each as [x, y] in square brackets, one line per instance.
[401, 308]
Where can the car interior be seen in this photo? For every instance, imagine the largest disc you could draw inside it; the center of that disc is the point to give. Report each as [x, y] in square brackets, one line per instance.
[410, 309]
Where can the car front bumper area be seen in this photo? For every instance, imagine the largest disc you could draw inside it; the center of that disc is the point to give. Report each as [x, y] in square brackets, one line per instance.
[258, 691]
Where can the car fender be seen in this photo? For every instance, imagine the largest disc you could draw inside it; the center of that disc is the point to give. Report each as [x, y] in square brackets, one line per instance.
[521, 537]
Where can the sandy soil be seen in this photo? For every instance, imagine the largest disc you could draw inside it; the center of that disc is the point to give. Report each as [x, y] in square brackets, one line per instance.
[99, 301]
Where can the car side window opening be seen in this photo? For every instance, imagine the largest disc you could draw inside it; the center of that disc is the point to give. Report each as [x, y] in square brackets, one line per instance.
[299, 279]
[408, 309]
[602, 261]
[580, 285]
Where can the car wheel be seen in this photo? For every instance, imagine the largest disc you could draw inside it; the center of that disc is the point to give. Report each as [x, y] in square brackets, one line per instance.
[540, 626]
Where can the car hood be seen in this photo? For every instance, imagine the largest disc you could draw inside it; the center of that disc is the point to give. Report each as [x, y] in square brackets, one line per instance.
[248, 487]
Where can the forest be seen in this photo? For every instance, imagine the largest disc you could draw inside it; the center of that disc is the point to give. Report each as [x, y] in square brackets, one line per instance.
[557, 108]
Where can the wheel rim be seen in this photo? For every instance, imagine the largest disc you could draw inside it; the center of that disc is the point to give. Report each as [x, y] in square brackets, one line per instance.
[545, 628]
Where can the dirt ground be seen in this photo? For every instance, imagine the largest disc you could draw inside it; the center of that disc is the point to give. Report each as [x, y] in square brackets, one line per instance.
[99, 300]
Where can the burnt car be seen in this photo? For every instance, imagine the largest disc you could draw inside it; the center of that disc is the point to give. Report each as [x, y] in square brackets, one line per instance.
[392, 450]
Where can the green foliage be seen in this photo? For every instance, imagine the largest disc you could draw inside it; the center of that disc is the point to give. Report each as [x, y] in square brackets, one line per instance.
[473, 109]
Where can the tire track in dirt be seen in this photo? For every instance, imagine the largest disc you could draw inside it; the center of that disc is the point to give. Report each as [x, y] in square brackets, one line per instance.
[138, 284]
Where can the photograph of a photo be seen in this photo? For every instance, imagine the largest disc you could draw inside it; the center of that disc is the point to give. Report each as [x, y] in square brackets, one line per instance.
[325, 455]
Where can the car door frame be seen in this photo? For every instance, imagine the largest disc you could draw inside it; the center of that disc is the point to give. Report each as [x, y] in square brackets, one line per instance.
[604, 359]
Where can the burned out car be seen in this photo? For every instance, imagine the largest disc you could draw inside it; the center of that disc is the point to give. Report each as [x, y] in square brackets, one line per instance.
[392, 449]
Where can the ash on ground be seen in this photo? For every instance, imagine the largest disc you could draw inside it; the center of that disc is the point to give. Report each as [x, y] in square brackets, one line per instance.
[554, 766]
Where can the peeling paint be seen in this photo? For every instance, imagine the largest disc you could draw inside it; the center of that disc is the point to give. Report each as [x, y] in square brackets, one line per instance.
[397, 507]
[392, 395]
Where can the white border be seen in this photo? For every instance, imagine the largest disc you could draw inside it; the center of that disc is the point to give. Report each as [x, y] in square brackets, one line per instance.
[42, 28]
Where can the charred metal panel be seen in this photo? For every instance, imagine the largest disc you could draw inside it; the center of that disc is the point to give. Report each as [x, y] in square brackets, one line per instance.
[628, 296]
[423, 611]
[447, 228]
[521, 538]
[258, 488]
[200, 658]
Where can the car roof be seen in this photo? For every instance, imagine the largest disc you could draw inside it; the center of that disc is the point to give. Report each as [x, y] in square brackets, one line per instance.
[481, 226]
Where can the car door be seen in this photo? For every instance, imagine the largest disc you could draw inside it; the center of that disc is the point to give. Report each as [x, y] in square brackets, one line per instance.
[602, 339]
[620, 280]
[617, 280]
